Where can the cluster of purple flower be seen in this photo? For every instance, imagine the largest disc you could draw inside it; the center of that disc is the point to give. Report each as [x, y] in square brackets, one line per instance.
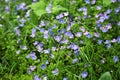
[65, 35]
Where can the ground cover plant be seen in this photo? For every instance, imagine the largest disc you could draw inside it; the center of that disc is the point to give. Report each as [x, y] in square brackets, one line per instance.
[59, 39]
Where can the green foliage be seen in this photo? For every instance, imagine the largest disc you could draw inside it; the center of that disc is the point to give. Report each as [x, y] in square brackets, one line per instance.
[39, 8]
[106, 2]
[106, 76]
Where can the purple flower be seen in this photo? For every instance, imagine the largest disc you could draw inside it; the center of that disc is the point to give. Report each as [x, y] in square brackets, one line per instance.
[47, 62]
[78, 34]
[113, 40]
[109, 26]
[61, 21]
[60, 16]
[18, 52]
[76, 52]
[7, 9]
[27, 14]
[21, 6]
[116, 59]
[65, 41]
[23, 47]
[87, 34]
[82, 29]
[17, 31]
[29, 71]
[85, 12]
[46, 51]
[96, 34]
[93, 1]
[118, 23]
[32, 55]
[109, 11]
[58, 38]
[35, 43]
[84, 74]
[42, 30]
[37, 78]
[75, 60]
[55, 72]
[69, 34]
[99, 7]
[75, 47]
[80, 9]
[66, 14]
[113, 1]
[46, 36]
[108, 45]
[21, 25]
[34, 0]
[48, 8]
[87, 1]
[104, 29]
[69, 27]
[22, 21]
[118, 39]
[42, 23]
[117, 10]
[39, 48]
[99, 41]
[107, 42]
[33, 33]
[53, 48]
[32, 68]
[43, 66]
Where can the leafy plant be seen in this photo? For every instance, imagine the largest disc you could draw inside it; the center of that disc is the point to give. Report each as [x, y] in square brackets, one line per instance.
[106, 76]
[39, 8]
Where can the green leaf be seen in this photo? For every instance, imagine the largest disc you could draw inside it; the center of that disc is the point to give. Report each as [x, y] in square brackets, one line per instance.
[106, 76]
[106, 2]
[58, 9]
[39, 8]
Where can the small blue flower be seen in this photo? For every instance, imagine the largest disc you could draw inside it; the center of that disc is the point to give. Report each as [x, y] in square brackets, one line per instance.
[104, 30]
[108, 45]
[43, 66]
[84, 74]
[17, 31]
[42, 30]
[118, 23]
[65, 78]
[78, 34]
[118, 39]
[33, 33]
[32, 68]
[21, 6]
[113, 1]
[99, 7]
[87, 1]
[37, 78]
[99, 41]
[107, 42]
[55, 72]
[75, 60]
[61, 21]
[58, 38]
[33, 56]
[116, 59]
[46, 51]
[69, 34]
[47, 62]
